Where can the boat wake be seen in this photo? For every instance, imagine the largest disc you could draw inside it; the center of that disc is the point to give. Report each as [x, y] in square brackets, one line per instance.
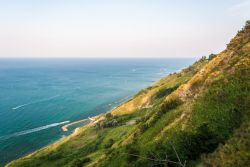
[39, 101]
[32, 130]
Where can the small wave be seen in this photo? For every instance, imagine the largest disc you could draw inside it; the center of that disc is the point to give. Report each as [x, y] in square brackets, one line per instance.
[25, 132]
[39, 101]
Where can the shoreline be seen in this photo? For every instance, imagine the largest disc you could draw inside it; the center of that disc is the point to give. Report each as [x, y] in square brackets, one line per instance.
[84, 123]
[65, 127]
[93, 120]
[75, 132]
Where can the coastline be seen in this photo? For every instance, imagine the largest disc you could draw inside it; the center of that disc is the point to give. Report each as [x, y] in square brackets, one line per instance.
[78, 123]
[92, 121]
[65, 127]
[95, 119]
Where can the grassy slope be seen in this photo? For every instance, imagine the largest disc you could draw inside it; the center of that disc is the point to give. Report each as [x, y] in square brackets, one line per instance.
[92, 139]
[201, 112]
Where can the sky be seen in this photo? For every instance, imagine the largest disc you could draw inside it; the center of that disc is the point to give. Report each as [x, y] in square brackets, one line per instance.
[118, 28]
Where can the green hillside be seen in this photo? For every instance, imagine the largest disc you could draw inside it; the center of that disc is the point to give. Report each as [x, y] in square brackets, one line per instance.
[197, 117]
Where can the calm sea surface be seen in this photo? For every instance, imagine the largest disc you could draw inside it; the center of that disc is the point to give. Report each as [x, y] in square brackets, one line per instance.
[38, 96]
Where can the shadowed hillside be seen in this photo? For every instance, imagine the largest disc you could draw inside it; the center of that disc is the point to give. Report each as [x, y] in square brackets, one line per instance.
[197, 117]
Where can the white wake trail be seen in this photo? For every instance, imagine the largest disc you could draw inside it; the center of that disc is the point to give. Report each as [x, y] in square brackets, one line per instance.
[17, 107]
[32, 130]
[39, 101]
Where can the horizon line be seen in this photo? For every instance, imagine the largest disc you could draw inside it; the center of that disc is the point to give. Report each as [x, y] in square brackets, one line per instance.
[100, 57]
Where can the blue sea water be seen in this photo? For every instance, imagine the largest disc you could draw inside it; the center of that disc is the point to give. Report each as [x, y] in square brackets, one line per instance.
[38, 96]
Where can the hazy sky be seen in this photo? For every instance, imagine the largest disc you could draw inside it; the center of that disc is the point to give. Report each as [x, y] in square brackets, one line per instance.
[118, 28]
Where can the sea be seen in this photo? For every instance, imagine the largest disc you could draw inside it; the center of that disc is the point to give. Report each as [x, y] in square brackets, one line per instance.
[39, 96]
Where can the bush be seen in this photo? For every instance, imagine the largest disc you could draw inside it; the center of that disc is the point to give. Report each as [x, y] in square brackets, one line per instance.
[171, 104]
[164, 92]
[203, 58]
[109, 143]
[52, 156]
[80, 162]
[142, 128]
[247, 23]
[131, 153]
[108, 115]
[211, 56]
[108, 123]
[235, 152]
[195, 144]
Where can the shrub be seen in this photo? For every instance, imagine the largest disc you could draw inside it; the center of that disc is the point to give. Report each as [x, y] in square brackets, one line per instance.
[164, 92]
[195, 144]
[247, 23]
[203, 58]
[107, 124]
[110, 123]
[52, 156]
[142, 128]
[131, 153]
[235, 152]
[211, 56]
[171, 104]
[108, 115]
[80, 162]
[109, 143]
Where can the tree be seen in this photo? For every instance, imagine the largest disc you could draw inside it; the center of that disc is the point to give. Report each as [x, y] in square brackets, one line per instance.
[211, 56]
[247, 23]
[108, 115]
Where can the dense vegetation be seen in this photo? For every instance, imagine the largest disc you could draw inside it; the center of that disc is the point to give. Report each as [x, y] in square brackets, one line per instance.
[197, 117]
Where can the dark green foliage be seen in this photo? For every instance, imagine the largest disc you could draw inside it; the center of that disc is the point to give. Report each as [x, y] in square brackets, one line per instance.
[203, 141]
[159, 110]
[171, 104]
[247, 23]
[211, 56]
[108, 115]
[110, 123]
[52, 156]
[109, 143]
[203, 58]
[235, 152]
[188, 145]
[80, 162]
[164, 92]
[132, 153]
[142, 127]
